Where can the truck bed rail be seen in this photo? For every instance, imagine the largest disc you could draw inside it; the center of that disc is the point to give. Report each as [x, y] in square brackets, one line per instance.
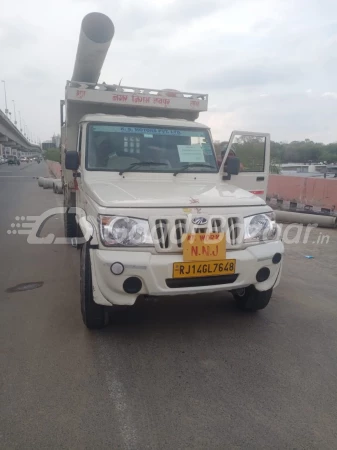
[134, 96]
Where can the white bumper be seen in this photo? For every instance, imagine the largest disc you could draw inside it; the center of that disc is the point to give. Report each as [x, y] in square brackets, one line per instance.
[154, 270]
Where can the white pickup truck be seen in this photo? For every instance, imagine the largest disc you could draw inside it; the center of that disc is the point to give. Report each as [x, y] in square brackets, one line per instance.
[151, 209]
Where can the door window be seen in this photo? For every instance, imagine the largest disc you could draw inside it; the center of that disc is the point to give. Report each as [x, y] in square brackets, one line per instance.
[251, 150]
[79, 140]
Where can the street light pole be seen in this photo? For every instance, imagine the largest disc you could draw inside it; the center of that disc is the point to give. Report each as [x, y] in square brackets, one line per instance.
[15, 122]
[20, 121]
[4, 82]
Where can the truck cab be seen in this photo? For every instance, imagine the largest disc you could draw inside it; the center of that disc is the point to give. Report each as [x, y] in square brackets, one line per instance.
[150, 207]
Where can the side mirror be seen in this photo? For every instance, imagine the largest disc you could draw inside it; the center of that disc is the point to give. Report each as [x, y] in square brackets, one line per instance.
[72, 160]
[232, 167]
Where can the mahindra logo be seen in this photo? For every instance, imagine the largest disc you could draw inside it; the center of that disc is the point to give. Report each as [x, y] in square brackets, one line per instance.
[199, 221]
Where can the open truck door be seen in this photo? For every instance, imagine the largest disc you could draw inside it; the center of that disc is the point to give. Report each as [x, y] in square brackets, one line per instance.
[253, 150]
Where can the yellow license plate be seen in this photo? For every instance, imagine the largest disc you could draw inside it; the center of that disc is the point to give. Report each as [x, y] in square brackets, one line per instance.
[204, 269]
[204, 246]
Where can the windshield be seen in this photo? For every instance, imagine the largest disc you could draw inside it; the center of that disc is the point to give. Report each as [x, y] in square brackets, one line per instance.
[146, 149]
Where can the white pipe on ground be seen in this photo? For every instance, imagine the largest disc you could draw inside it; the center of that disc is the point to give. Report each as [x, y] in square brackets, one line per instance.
[48, 183]
[57, 186]
[306, 219]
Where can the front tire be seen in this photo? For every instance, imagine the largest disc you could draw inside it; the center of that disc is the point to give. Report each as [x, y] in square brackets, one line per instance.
[94, 316]
[250, 299]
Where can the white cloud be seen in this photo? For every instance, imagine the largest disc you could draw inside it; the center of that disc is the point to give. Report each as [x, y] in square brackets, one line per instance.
[255, 59]
[330, 94]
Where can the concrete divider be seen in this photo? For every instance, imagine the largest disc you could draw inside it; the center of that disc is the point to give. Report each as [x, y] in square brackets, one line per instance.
[54, 168]
[319, 192]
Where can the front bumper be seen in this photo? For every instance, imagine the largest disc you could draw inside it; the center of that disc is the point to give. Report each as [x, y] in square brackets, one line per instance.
[154, 270]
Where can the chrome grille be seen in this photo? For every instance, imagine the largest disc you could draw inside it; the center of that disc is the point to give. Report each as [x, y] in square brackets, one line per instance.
[162, 232]
[217, 225]
[170, 231]
[233, 229]
[199, 230]
[180, 225]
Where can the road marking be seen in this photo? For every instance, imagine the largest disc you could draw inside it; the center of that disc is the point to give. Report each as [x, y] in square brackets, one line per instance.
[118, 394]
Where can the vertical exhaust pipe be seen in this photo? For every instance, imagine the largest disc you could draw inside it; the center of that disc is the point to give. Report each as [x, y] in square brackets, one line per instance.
[97, 31]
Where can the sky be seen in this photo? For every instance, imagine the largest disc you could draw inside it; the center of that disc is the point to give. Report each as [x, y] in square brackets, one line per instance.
[267, 65]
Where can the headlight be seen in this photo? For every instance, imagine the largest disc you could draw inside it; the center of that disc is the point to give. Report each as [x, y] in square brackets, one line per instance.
[260, 227]
[124, 231]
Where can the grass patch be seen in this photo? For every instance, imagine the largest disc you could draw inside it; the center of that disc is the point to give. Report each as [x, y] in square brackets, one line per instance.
[52, 154]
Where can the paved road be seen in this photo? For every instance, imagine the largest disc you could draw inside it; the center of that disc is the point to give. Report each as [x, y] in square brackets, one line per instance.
[189, 373]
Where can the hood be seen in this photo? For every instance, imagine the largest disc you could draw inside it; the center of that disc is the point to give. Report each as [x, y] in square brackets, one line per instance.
[161, 194]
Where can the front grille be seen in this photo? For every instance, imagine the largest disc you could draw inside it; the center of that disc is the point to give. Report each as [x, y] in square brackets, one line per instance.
[170, 231]
[217, 226]
[180, 226]
[162, 232]
[233, 230]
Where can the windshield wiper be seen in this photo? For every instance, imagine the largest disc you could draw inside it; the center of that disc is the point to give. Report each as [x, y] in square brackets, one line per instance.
[143, 163]
[187, 166]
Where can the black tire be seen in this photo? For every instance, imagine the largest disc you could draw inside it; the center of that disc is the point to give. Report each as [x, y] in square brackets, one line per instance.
[252, 300]
[70, 225]
[94, 316]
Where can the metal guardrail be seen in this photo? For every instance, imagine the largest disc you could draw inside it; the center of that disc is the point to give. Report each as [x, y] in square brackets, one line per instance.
[294, 206]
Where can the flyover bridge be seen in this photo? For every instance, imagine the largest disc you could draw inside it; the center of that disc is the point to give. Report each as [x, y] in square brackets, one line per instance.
[13, 142]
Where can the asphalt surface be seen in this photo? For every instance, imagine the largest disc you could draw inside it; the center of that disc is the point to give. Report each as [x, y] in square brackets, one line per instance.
[183, 373]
